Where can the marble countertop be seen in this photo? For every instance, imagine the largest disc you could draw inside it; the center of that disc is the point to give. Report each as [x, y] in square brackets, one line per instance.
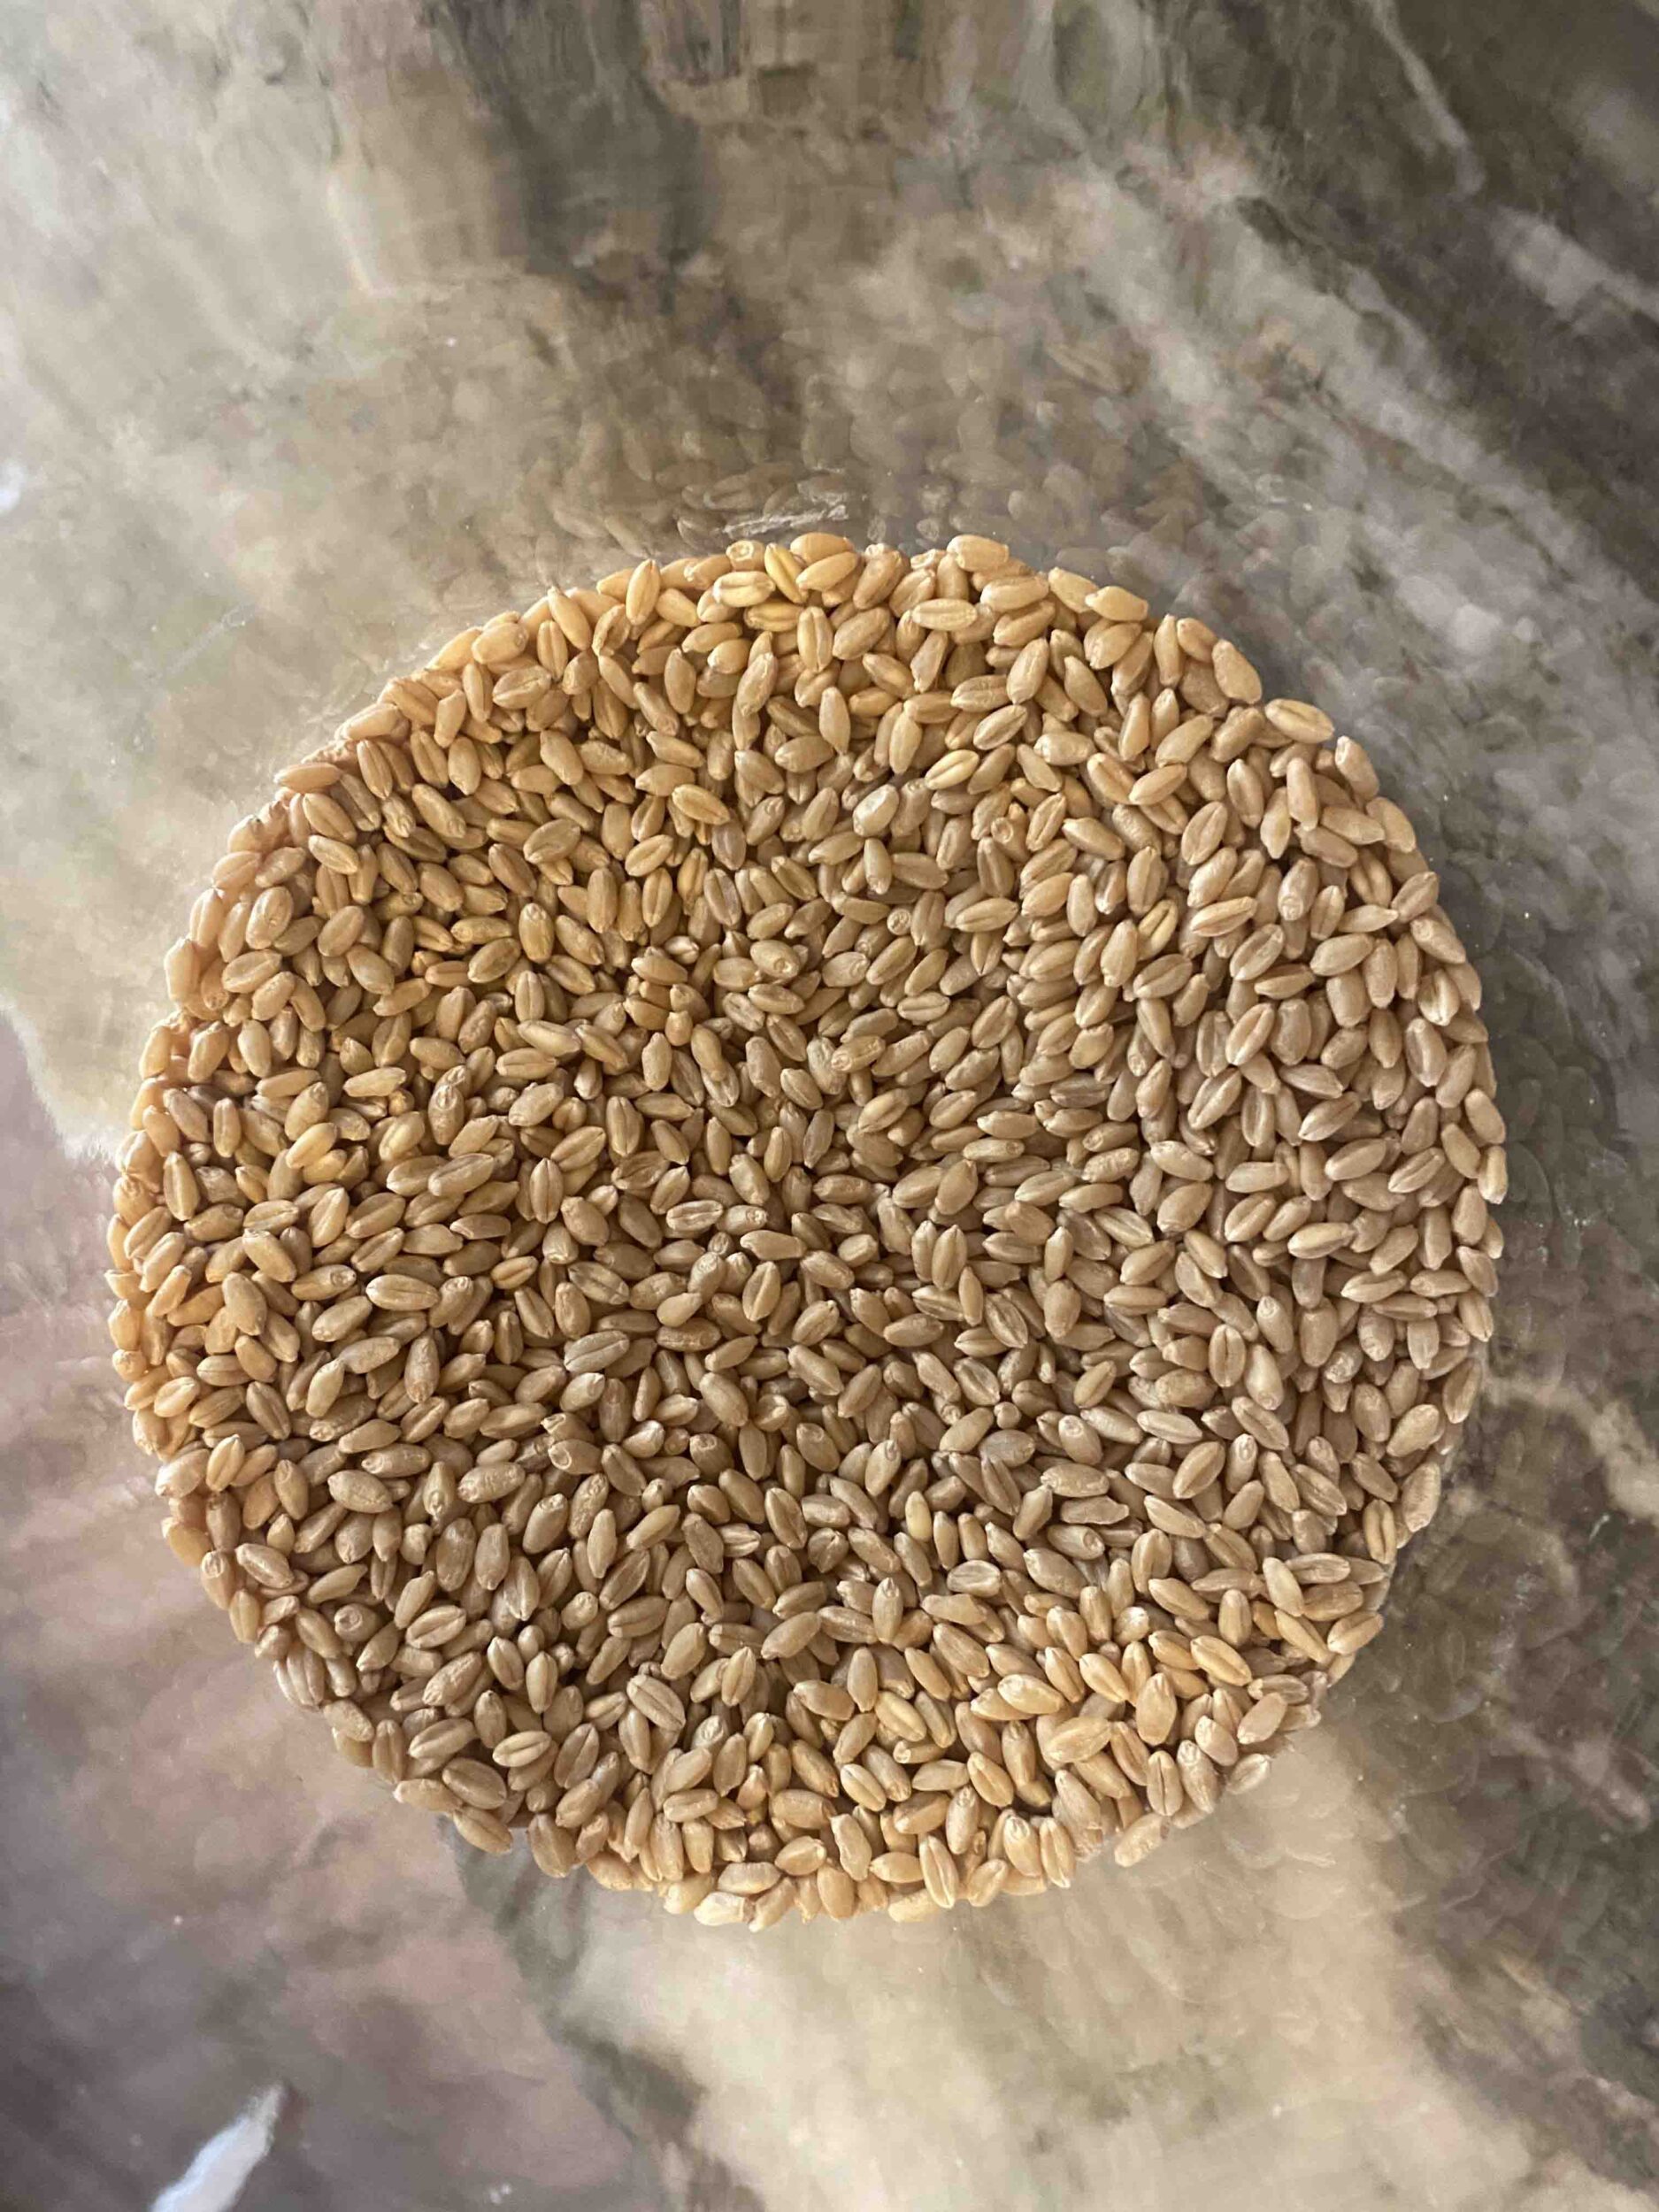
[329, 325]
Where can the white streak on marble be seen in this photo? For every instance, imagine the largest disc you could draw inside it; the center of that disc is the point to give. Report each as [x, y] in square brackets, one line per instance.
[1566, 276]
[217, 2176]
[1628, 1461]
[1467, 163]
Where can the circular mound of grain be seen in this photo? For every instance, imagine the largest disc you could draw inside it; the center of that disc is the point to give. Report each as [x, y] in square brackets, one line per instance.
[811, 1223]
